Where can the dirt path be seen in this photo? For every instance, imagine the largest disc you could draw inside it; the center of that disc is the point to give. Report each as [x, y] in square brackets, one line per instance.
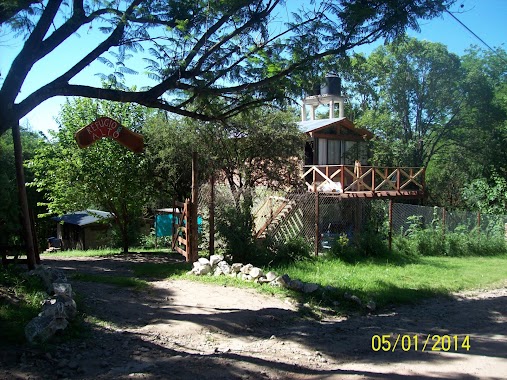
[188, 330]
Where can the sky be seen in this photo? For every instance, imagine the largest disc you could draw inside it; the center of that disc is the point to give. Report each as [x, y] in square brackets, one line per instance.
[486, 18]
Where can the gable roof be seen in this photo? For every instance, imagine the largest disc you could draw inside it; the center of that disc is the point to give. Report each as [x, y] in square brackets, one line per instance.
[84, 217]
[312, 126]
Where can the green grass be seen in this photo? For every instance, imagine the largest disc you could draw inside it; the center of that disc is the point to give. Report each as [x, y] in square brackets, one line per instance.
[122, 281]
[402, 281]
[20, 300]
[103, 252]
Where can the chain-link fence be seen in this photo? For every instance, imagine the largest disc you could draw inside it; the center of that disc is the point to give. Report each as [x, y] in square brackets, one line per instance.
[324, 216]
[405, 216]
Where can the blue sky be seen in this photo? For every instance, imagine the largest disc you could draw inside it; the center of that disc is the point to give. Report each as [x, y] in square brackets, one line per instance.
[487, 18]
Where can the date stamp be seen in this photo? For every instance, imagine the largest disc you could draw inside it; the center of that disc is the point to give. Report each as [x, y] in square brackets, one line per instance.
[431, 342]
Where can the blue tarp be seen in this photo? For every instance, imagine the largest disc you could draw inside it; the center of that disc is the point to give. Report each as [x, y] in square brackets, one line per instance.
[164, 224]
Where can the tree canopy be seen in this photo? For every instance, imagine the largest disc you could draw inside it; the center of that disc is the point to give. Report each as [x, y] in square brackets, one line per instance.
[105, 176]
[236, 50]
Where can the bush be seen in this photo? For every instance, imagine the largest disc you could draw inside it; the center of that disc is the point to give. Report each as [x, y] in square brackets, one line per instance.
[235, 226]
[290, 251]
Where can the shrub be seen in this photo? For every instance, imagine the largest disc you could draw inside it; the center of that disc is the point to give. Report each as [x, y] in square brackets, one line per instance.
[292, 250]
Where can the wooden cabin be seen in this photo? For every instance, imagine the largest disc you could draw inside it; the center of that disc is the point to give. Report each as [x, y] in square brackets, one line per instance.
[337, 155]
[86, 229]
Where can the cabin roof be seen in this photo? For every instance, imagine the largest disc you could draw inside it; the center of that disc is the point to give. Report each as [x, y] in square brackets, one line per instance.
[84, 217]
[312, 126]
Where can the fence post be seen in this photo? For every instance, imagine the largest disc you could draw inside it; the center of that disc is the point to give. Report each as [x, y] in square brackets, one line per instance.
[390, 234]
[443, 220]
[212, 216]
[193, 214]
[317, 232]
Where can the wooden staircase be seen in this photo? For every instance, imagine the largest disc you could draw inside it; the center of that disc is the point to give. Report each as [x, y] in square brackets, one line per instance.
[273, 211]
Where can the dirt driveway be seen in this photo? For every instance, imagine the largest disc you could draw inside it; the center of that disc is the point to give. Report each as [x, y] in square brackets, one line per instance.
[187, 330]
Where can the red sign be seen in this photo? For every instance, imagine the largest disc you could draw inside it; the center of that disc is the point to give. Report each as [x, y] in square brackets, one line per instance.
[107, 127]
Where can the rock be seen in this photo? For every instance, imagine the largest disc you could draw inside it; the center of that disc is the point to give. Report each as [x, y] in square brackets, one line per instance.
[282, 281]
[62, 288]
[310, 287]
[246, 268]
[236, 267]
[48, 276]
[217, 272]
[270, 276]
[203, 269]
[59, 307]
[353, 298]
[263, 280]
[215, 259]
[203, 261]
[255, 272]
[296, 285]
[41, 329]
[226, 268]
[371, 305]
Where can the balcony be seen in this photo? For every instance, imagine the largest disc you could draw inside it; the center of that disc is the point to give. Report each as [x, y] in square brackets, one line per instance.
[350, 181]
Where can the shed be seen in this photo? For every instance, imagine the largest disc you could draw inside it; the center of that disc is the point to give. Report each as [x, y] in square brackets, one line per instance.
[86, 229]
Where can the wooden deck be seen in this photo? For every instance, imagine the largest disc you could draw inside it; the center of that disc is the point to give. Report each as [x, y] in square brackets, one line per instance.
[348, 181]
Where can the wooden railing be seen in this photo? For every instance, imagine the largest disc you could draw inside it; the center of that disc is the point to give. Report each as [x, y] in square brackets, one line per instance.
[366, 179]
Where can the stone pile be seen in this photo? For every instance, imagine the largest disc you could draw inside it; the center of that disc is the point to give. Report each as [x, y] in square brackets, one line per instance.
[56, 310]
[217, 266]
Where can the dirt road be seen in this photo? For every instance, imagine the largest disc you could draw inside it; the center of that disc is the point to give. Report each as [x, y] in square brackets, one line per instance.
[188, 330]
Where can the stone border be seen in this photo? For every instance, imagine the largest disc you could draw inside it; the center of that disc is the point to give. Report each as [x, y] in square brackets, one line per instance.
[57, 310]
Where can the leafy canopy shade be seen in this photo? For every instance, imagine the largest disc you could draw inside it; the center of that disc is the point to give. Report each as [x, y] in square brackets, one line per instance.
[239, 51]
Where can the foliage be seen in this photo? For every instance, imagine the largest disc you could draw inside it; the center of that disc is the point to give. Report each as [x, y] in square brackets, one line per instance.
[20, 299]
[9, 207]
[488, 197]
[435, 241]
[292, 250]
[410, 95]
[196, 51]
[105, 176]
[234, 225]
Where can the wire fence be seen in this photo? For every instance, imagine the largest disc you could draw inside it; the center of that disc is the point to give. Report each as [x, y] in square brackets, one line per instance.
[320, 218]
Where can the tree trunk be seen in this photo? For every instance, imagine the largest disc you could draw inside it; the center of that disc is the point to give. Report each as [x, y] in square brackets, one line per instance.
[23, 199]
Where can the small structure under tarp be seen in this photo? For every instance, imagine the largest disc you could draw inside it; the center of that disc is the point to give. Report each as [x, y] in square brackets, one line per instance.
[86, 229]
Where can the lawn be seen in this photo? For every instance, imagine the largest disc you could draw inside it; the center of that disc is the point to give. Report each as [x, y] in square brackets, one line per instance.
[393, 280]
[387, 282]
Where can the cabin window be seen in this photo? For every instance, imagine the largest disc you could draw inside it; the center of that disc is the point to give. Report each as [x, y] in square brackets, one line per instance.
[333, 152]
[329, 152]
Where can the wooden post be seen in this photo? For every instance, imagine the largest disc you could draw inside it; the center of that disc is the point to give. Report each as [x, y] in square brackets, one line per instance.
[193, 211]
[23, 200]
[317, 232]
[390, 234]
[479, 222]
[35, 238]
[443, 219]
[212, 216]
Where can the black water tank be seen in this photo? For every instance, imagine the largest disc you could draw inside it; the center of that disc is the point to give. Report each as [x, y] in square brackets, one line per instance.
[313, 90]
[333, 86]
